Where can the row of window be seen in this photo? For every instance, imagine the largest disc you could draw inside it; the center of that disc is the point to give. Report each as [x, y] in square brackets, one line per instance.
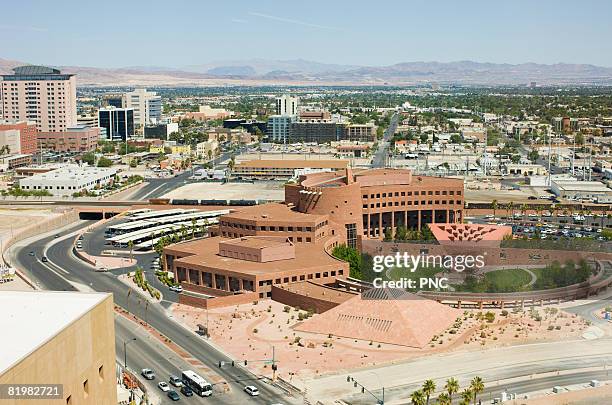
[410, 193]
[404, 203]
[268, 228]
[302, 277]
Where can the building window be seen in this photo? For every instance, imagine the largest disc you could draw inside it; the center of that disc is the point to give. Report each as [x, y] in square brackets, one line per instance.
[86, 388]
[69, 400]
[101, 372]
[351, 235]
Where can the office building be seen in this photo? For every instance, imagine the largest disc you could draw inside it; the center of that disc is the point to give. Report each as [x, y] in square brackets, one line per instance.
[207, 113]
[112, 100]
[63, 338]
[74, 140]
[117, 122]
[147, 106]
[160, 131]
[279, 127]
[258, 248]
[11, 162]
[27, 135]
[315, 131]
[40, 94]
[69, 180]
[361, 132]
[284, 169]
[287, 105]
[251, 126]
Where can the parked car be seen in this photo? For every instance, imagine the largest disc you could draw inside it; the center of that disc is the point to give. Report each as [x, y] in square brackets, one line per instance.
[44, 259]
[148, 373]
[174, 380]
[185, 390]
[31, 253]
[173, 395]
[176, 288]
[163, 386]
[251, 390]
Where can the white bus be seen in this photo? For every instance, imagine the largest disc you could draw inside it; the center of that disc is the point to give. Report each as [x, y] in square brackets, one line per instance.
[198, 385]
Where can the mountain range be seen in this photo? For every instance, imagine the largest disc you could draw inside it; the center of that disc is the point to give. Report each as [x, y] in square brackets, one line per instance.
[303, 72]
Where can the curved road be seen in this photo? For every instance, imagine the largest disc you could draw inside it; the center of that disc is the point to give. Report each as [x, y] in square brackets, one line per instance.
[64, 270]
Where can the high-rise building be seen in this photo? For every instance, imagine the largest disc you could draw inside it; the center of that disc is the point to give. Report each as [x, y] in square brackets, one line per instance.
[287, 105]
[118, 123]
[40, 94]
[147, 106]
[279, 127]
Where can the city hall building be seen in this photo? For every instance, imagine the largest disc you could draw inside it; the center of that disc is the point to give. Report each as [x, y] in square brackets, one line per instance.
[255, 248]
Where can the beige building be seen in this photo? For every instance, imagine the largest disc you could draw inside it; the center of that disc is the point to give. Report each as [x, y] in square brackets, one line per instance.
[40, 94]
[61, 338]
[203, 148]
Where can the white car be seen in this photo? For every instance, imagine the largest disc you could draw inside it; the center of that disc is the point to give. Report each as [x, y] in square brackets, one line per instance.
[163, 386]
[174, 380]
[251, 390]
[176, 288]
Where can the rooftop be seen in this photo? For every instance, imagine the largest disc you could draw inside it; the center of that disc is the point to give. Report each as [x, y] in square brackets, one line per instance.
[204, 253]
[36, 70]
[272, 212]
[296, 164]
[257, 242]
[32, 318]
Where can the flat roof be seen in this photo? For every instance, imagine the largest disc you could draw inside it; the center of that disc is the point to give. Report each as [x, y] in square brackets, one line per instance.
[205, 254]
[296, 164]
[273, 212]
[258, 242]
[29, 319]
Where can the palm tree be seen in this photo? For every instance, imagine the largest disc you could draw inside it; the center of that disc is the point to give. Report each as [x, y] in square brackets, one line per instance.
[417, 398]
[429, 386]
[131, 246]
[466, 397]
[494, 207]
[444, 399]
[476, 386]
[452, 387]
[524, 210]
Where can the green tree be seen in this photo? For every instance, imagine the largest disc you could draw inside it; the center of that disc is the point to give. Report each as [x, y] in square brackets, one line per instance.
[352, 256]
[89, 158]
[417, 398]
[494, 207]
[131, 247]
[429, 386]
[466, 397]
[476, 387]
[104, 162]
[452, 387]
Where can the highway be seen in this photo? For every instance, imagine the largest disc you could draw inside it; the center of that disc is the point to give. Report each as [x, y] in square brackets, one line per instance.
[380, 156]
[64, 271]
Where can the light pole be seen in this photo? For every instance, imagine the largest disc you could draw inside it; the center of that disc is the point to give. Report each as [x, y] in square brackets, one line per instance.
[127, 300]
[125, 343]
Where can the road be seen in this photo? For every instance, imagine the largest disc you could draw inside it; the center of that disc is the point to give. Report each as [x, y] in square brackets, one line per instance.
[380, 156]
[64, 271]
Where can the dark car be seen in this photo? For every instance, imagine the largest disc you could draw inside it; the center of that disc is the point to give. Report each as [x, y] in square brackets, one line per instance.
[186, 391]
[44, 259]
[173, 395]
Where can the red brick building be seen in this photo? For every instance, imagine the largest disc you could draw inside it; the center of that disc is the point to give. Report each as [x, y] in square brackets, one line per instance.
[261, 246]
[27, 134]
[76, 139]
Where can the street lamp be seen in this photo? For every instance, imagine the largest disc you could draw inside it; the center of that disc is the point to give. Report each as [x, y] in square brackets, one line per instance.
[125, 343]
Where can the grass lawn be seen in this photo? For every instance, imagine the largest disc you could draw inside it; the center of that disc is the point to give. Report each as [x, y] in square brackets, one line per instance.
[507, 280]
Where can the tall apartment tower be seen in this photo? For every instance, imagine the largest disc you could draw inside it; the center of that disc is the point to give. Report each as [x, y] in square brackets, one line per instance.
[118, 123]
[287, 105]
[40, 94]
[147, 106]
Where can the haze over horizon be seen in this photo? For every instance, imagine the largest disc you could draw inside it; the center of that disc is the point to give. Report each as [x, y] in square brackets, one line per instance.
[195, 33]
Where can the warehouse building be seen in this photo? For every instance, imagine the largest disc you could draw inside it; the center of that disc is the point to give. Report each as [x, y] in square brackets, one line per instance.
[69, 180]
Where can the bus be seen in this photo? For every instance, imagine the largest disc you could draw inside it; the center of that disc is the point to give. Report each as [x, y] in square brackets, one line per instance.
[198, 385]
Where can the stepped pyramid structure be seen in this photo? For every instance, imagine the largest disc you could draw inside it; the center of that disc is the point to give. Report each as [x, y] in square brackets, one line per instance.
[391, 316]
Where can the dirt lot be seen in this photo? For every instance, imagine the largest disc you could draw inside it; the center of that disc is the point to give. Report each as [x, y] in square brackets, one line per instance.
[249, 331]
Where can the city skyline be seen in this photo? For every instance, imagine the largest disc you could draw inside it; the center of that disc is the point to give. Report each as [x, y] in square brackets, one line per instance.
[196, 33]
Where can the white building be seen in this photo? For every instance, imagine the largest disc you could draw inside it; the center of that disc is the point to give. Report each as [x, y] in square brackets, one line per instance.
[278, 127]
[287, 105]
[69, 180]
[574, 189]
[147, 106]
[10, 139]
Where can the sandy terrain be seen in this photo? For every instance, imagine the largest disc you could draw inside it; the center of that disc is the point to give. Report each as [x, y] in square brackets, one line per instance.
[249, 331]
[262, 190]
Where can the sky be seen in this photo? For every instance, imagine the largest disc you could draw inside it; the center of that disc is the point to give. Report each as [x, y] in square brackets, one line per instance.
[179, 33]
